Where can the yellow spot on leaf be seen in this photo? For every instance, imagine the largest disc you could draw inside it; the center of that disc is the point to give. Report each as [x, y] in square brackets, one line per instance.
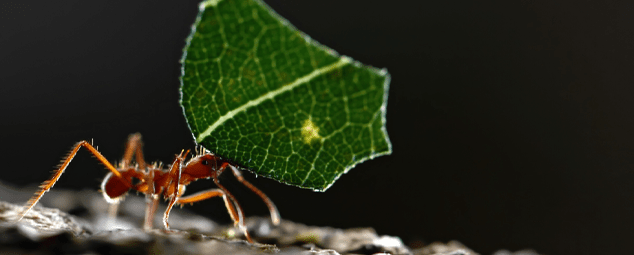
[310, 132]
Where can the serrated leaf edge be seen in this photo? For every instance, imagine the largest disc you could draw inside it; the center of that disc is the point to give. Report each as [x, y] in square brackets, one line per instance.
[386, 87]
[383, 72]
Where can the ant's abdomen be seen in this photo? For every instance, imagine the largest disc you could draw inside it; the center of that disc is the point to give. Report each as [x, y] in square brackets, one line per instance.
[114, 188]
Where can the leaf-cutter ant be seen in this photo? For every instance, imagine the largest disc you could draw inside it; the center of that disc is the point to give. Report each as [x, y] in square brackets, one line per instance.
[154, 181]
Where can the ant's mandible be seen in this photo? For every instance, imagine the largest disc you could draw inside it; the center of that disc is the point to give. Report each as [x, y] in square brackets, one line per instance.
[154, 181]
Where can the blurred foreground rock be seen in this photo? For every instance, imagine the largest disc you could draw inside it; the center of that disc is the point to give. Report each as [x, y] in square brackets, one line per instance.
[91, 231]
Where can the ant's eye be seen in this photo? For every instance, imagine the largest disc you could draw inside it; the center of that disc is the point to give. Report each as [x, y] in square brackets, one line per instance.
[205, 162]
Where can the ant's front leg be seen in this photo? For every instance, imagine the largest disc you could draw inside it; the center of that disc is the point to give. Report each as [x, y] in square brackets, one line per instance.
[241, 223]
[236, 215]
[48, 184]
[275, 214]
[234, 209]
[173, 189]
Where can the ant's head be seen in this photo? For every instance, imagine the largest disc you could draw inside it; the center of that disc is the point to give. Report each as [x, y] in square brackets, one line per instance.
[203, 165]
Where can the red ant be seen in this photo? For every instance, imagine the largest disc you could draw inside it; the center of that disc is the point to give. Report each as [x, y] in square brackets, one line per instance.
[153, 180]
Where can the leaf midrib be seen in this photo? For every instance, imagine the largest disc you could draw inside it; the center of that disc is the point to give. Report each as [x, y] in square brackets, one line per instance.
[343, 60]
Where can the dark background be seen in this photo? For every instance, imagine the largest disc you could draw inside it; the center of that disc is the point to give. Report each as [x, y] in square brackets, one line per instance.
[511, 121]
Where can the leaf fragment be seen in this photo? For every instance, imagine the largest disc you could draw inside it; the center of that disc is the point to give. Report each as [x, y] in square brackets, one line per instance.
[259, 92]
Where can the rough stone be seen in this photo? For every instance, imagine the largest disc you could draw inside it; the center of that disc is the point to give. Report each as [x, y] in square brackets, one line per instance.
[88, 229]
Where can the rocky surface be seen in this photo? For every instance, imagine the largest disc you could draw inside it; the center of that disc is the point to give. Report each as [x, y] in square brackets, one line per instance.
[89, 230]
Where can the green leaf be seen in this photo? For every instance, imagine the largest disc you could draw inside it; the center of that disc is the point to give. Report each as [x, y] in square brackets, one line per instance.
[259, 92]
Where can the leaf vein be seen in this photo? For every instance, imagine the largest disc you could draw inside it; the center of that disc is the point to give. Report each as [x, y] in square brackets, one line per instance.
[272, 94]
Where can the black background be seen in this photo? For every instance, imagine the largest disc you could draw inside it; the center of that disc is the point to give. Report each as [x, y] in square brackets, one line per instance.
[511, 121]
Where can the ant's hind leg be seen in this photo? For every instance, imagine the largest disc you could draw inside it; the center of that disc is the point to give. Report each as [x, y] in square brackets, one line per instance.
[134, 147]
[275, 214]
[48, 184]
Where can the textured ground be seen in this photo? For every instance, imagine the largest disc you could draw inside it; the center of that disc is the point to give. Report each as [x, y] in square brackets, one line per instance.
[51, 231]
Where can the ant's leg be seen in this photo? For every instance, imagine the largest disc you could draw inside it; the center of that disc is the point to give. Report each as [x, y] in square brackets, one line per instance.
[48, 184]
[166, 215]
[238, 207]
[174, 190]
[232, 206]
[113, 208]
[275, 215]
[236, 216]
[152, 202]
[177, 166]
[229, 195]
[134, 146]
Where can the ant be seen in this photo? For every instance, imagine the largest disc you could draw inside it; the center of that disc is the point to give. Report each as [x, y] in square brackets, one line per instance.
[154, 181]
